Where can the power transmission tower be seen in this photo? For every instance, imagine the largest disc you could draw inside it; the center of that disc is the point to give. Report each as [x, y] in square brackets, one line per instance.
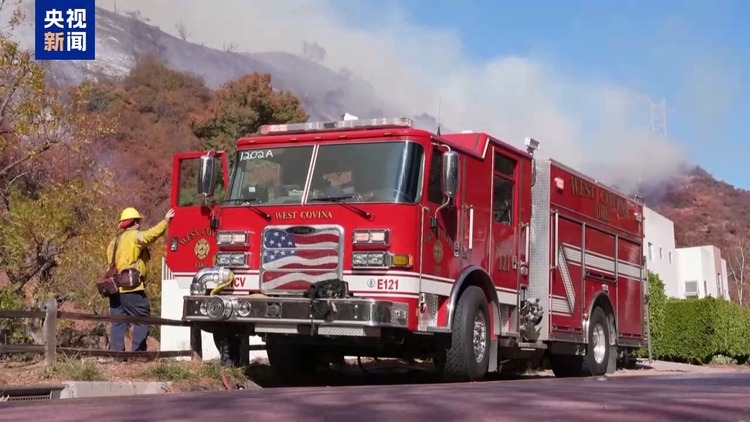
[659, 118]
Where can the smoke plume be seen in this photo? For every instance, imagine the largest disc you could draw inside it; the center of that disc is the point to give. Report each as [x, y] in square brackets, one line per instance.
[597, 127]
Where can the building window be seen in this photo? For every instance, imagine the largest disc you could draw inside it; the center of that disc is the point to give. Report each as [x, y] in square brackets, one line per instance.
[669, 254]
[705, 288]
[661, 253]
[650, 251]
[691, 288]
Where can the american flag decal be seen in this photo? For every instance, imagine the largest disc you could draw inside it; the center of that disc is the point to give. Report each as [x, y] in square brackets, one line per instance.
[291, 260]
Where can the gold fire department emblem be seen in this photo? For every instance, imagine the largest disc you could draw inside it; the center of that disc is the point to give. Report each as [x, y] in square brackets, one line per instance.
[201, 248]
[437, 250]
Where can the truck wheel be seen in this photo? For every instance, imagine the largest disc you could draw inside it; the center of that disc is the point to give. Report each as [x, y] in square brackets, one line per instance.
[597, 351]
[468, 356]
[289, 360]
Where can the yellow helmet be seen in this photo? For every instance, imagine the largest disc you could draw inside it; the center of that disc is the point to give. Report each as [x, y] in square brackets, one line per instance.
[129, 214]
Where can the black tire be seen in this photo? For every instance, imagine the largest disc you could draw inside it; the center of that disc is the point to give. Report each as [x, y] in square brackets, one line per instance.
[289, 360]
[458, 360]
[598, 334]
[591, 364]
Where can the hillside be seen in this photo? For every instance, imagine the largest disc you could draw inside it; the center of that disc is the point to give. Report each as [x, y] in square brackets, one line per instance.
[124, 38]
[706, 211]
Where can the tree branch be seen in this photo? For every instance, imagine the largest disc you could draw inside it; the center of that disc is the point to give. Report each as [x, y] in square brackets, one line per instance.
[47, 145]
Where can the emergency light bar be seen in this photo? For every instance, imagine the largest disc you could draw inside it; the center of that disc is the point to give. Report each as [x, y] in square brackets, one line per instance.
[391, 122]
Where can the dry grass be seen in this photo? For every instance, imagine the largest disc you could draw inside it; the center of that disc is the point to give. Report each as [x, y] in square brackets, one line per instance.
[73, 370]
[183, 375]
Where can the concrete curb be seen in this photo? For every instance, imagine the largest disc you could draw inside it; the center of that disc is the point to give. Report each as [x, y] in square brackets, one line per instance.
[78, 389]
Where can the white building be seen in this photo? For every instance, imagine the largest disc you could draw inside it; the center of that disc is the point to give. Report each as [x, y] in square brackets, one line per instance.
[701, 272]
[659, 245]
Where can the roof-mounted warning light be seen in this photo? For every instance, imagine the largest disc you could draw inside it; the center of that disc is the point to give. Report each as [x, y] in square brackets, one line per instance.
[531, 145]
[383, 123]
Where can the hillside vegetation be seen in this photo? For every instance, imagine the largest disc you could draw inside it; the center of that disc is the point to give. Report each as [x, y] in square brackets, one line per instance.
[71, 158]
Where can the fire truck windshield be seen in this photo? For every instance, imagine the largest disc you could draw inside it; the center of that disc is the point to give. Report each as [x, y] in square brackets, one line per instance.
[360, 172]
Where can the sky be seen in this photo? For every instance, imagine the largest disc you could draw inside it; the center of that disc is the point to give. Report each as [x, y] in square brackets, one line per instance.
[579, 76]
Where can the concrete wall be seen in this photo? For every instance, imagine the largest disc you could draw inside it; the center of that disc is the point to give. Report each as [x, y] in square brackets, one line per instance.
[659, 245]
[701, 272]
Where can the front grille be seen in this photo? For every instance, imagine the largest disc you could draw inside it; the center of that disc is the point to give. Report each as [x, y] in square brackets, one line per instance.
[293, 257]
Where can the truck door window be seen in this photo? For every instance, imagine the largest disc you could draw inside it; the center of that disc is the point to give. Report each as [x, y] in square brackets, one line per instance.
[434, 191]
[502, 193]
[187, 194]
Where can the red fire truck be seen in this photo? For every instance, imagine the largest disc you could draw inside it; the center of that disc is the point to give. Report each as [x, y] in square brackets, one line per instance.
[375, 238]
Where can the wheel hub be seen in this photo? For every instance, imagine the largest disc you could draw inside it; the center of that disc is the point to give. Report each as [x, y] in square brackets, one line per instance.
[480, 336]
[599, 341]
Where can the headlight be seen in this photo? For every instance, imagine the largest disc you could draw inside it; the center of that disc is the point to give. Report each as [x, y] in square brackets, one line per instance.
[369, 259]
[232, 238]
[376, 236]
[381, 260]
[231, 259]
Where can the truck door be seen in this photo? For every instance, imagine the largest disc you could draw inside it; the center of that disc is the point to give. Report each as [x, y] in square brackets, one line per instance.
[441, 247]
[191, 244]
[504, 249]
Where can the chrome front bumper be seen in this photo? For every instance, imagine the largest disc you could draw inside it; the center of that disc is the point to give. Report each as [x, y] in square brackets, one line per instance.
[350, 312]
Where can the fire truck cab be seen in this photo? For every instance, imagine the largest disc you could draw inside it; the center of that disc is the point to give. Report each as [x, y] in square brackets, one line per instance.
[375, 238]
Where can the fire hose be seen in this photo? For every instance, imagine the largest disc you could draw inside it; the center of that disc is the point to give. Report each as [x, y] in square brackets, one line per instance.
[226, 384]
[216, 290]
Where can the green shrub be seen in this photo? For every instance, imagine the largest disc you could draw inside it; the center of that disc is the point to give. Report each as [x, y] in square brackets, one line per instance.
[656, 301]
[696, 330]
[12, 329]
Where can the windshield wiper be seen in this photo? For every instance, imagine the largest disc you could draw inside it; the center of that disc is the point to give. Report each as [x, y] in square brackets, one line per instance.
[342, 201]
[333, 198]
[247, 201]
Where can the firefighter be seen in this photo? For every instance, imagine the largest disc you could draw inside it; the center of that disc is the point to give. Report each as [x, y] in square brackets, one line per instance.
[132, 254]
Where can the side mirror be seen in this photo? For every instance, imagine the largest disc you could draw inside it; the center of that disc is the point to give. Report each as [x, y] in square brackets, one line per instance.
[449, 176]
[207, 176]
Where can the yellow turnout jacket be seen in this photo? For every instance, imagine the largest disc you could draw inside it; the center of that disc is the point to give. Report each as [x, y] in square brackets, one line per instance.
[132, 251]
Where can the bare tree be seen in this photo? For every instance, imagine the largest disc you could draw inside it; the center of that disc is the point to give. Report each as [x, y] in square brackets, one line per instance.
[17, 16]
[136, 14]
[182, 31]
[230, 47]
[738, 262]
[314, 51]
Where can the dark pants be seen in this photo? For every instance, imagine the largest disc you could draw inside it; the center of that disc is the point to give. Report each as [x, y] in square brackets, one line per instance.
[134, 304]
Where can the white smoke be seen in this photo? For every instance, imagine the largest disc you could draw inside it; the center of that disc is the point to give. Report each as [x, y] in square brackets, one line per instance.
[593, 126]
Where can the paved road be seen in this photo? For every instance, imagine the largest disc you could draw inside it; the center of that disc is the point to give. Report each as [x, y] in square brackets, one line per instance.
[637, 398]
